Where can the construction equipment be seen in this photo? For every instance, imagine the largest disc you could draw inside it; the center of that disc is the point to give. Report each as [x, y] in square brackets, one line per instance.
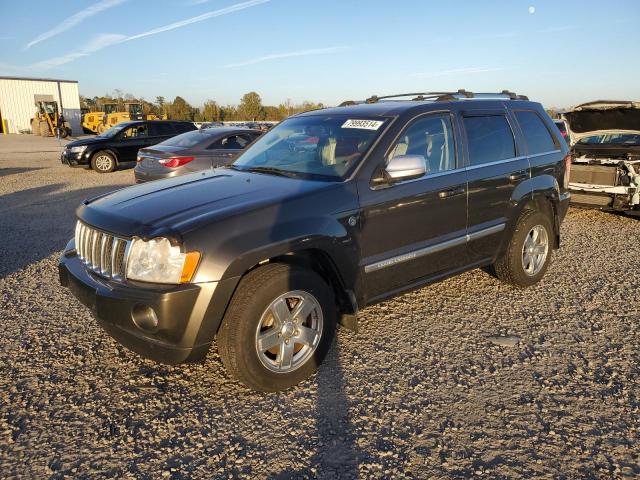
[91, 121]
[132, 111]
[48, 121]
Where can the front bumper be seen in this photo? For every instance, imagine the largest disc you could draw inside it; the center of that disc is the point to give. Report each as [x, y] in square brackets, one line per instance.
[74, 159]
[184, 330]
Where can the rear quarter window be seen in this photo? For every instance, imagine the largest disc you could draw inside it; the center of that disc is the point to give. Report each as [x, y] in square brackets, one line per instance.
[536, 133]
[489, 138]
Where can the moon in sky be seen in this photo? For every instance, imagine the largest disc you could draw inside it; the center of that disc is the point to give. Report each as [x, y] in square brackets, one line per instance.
[532, 9]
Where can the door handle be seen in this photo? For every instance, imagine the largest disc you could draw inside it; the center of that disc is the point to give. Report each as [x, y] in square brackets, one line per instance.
[451, 192]
[516, 177]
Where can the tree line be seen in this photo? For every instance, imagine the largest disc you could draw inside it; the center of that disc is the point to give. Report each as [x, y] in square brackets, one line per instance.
[250, 108]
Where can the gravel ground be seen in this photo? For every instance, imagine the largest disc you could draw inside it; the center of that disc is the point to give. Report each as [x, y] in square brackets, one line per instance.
[424, 390]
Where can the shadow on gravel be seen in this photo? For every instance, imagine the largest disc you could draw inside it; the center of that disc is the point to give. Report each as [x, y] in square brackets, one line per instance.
[336, 451]
[38, 222]
[5, 172]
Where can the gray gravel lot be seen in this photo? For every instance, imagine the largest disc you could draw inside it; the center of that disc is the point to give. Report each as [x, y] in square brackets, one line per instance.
[422, 391]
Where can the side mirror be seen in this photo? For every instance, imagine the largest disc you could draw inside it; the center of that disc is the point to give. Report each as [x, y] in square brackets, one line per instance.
[405, 167]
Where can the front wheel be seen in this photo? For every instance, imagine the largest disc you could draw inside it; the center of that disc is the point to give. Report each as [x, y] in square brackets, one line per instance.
[103, 162]
[529, 252]
[278, 328]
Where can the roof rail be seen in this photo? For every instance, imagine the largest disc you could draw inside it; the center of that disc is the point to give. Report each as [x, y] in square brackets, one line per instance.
[446, 96]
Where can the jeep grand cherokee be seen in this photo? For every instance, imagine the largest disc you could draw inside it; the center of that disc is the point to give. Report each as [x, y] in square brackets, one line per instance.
[331, 211]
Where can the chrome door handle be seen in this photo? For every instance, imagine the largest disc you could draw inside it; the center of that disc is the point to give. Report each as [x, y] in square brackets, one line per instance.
[451, 192]
[515, 177]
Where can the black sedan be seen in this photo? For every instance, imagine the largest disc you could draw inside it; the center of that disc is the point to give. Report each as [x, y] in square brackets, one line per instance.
[192, 151]
[120, 144]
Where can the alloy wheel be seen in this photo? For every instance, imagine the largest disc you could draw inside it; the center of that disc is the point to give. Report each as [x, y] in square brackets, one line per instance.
[289, 331]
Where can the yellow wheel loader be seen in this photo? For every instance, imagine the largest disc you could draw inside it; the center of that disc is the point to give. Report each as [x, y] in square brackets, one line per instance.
[48, 121]
[132, 111]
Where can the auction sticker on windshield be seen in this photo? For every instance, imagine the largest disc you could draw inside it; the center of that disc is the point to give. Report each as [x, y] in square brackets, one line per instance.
[363, 124]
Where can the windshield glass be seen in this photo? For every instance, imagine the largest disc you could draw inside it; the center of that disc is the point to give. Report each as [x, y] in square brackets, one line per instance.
[612, 139]
[135, 108]
[189, 139]
[317, 146]
[112, 132]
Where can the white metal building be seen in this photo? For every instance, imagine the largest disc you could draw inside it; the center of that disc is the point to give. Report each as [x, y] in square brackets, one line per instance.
[18, 96]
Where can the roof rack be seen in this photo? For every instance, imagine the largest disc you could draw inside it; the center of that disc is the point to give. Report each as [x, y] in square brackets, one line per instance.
[445, 96]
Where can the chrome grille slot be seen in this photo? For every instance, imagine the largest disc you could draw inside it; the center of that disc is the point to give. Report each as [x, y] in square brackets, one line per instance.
[101, 252]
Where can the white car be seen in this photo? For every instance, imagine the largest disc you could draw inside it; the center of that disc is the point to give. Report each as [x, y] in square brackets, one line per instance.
[605, 142]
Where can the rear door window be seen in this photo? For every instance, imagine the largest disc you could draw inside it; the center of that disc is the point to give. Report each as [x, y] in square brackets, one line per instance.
[536, 133]
[489, 139]
[161, 129]
[184, 127]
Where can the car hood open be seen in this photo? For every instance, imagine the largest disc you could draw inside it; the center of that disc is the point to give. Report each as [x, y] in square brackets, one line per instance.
[179, 204]
[603, 116]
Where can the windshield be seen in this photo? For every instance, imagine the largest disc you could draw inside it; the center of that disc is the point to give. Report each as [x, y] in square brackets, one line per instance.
[612, 139]
[135, 108]
[189, 139]
[317, 146]
[112, 132]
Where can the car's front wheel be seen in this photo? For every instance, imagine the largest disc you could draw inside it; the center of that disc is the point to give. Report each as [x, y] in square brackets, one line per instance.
[278, 327]
[103, 162]
[529, 252]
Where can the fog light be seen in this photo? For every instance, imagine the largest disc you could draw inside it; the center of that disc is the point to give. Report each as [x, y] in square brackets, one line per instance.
[144, 317]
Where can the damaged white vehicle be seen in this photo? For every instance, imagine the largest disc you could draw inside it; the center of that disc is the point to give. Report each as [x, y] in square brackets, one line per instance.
[605, 142]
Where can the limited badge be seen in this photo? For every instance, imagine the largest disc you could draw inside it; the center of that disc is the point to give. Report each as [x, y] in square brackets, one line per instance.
[363, 124]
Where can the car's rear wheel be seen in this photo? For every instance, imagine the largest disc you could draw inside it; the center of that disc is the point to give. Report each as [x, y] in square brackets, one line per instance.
[529, 252]
[278, 328]
[103, 162]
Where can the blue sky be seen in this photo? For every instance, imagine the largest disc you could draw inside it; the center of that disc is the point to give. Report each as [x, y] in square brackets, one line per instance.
[559, 53]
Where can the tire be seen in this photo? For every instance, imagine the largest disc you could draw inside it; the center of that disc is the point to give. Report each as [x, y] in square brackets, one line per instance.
[62, 132]
[101, 128]
[103, 162]
[514, 266]
[35, 127]
[44, 128]
[249, 320]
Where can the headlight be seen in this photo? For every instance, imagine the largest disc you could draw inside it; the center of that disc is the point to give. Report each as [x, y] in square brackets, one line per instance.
[78, 149]
[158, 261]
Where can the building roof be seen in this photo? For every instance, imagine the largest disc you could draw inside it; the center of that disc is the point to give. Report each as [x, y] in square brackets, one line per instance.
[38, 79]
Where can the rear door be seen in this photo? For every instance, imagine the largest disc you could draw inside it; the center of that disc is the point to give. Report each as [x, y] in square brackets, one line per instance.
[226, 150]
[495, 168]
[416, 229]
[160, 131]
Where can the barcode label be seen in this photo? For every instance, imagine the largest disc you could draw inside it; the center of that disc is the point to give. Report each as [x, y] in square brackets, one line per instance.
[363, 124]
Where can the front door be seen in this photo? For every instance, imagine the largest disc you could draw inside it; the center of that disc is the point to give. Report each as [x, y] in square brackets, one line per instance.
[416, 229]
[225, 150]
[131, 140]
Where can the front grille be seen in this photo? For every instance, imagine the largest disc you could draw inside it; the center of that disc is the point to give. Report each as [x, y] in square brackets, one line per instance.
[101, 252]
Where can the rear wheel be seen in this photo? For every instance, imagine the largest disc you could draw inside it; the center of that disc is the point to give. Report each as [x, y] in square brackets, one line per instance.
[529, 252]
[278, 328]
[103, 162]
[101, 128]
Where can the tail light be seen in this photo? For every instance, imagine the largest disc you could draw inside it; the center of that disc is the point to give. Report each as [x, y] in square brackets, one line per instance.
[567, 170]
[175, 162]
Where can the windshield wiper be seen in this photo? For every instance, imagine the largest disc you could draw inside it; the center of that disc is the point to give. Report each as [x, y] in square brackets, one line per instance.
[272, 171]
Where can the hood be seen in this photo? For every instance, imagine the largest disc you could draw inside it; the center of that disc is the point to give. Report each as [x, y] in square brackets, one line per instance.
[603, 116]
[176, 205]
[85, 141]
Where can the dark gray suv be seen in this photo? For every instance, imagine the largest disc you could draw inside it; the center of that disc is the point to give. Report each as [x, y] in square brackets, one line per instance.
[331, 211]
